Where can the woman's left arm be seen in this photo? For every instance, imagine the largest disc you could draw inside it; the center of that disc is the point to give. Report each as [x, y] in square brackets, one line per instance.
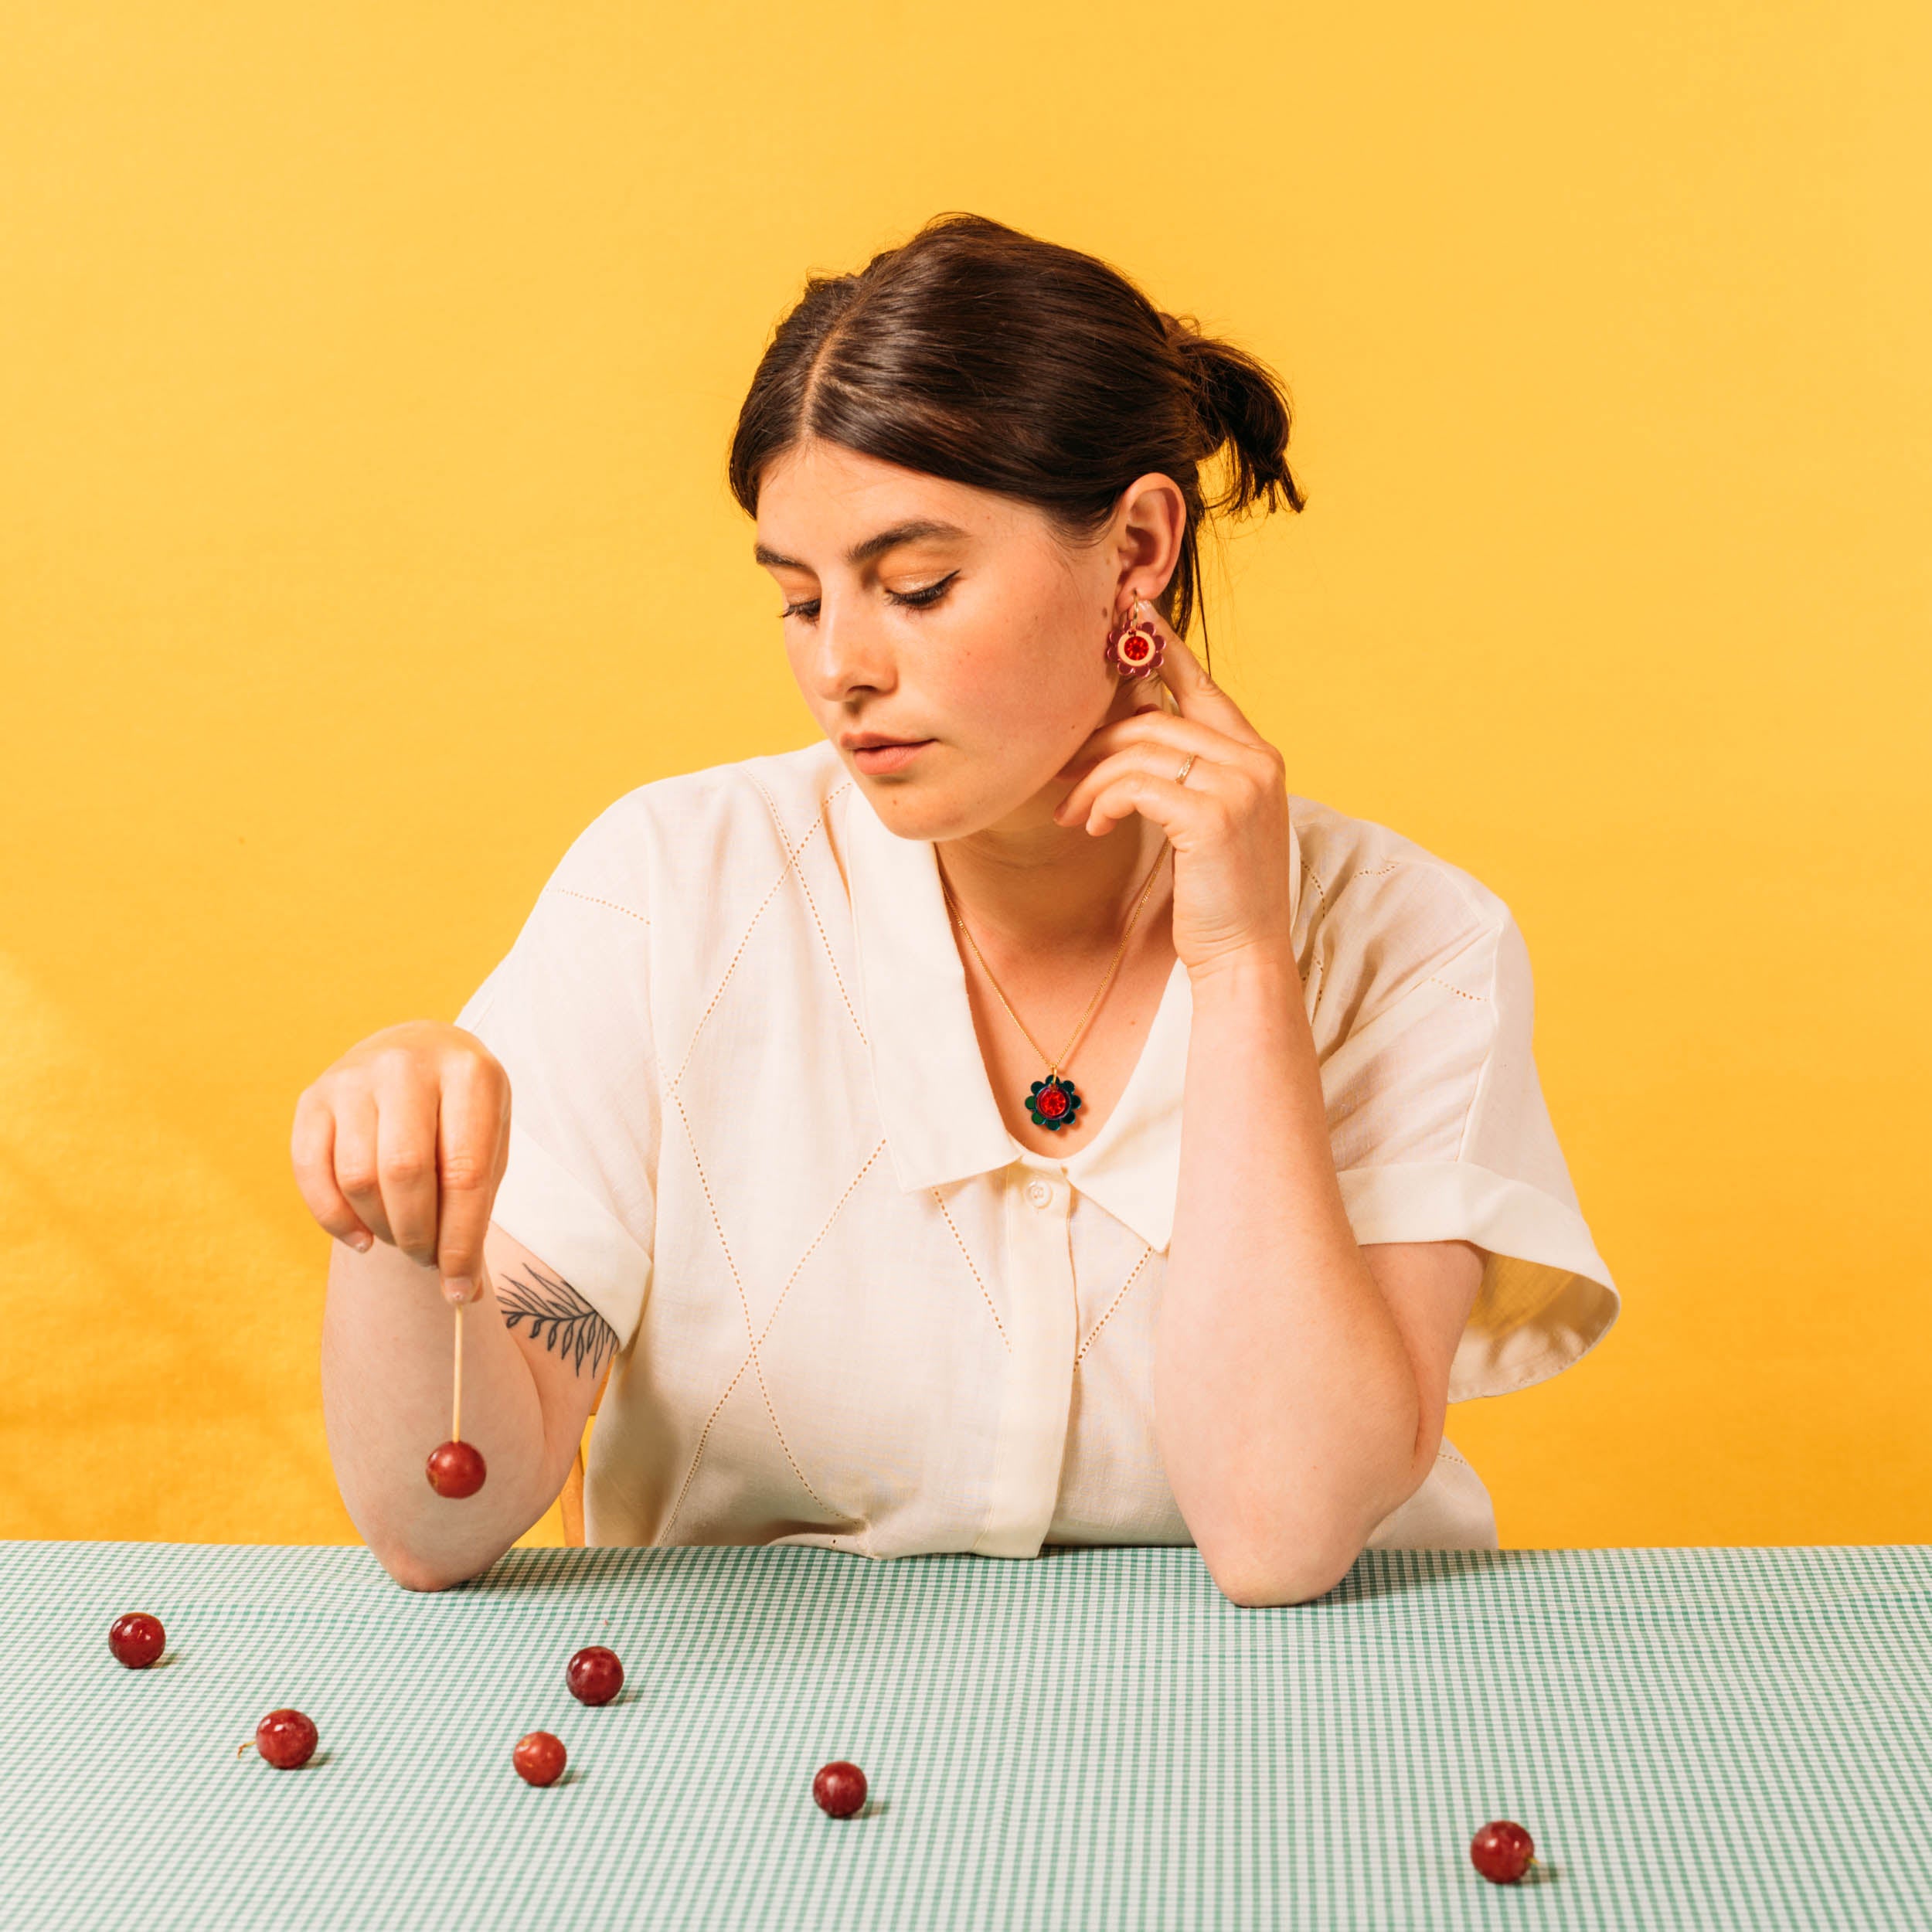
[1300, 1379]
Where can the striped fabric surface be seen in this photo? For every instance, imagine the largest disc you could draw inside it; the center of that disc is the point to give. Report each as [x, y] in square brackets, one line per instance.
[1706, 1737]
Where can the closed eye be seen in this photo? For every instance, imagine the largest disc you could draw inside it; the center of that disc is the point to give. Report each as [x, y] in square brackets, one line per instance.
[923, 599]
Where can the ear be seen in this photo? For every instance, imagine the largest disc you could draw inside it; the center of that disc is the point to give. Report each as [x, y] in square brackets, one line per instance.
[1148, 533]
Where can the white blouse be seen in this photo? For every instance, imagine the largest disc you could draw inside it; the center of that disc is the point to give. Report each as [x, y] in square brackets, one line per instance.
[750, 1124]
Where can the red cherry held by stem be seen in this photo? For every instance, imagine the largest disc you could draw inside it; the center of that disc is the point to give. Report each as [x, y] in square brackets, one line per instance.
[287, 1739]
[538, 1758]
[594, 1674]
[1502, 1852]
[137, 1639]
[839, 1787]
[455, 1469]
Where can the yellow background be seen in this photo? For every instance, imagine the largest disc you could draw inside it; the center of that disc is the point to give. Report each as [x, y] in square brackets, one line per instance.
[365, 378]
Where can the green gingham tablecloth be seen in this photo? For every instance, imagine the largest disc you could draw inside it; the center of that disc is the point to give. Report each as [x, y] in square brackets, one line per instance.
[1703, 1737]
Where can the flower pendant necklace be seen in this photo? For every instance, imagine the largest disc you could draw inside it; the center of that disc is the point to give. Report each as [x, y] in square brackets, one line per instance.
[1054, 1101]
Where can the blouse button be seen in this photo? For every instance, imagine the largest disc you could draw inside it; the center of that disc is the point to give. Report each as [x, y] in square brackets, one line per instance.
[1039, 1194]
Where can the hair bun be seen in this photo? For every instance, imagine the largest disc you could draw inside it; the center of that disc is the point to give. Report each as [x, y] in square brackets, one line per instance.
[1241, 403]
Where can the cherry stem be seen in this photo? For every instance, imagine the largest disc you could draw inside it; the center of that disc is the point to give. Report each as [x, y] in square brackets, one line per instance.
[456, 1396]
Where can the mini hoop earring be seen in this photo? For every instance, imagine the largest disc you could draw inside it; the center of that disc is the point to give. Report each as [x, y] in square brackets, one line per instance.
[1135, 647]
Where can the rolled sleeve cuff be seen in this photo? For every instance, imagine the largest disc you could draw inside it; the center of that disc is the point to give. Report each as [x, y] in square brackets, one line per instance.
[545, 1207]
[1547, 1298]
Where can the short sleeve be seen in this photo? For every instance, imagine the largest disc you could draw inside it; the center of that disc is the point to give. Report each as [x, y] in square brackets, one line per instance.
[1440, 1133]
[566, 1011]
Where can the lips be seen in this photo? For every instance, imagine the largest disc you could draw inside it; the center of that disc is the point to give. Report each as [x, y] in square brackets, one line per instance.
[875, 756]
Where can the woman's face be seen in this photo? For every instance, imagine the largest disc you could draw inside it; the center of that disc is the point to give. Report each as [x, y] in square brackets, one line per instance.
[947, 639]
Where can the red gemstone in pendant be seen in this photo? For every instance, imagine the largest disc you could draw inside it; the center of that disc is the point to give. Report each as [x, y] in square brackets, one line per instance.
[1135, 647]
[1053, 1103]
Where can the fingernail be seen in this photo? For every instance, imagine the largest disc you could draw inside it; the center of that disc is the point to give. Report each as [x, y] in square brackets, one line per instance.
[362, 1242]
[460, 1287]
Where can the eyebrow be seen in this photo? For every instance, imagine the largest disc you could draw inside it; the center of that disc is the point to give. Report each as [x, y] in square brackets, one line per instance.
[863, 553]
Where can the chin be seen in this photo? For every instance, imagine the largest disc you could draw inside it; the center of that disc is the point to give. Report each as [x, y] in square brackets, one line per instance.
[914, 810]
[928, 811]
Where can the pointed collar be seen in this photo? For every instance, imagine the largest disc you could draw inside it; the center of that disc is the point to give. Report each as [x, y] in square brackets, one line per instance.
[942, 1122]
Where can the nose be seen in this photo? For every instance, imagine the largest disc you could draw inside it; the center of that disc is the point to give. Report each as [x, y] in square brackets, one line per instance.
[849, 654]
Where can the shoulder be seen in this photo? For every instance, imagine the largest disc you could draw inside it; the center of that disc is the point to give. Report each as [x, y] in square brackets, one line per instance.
[1378, 914]
[714, 829]
[1355, 869]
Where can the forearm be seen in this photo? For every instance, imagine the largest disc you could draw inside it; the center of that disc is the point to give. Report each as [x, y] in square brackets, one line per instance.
[1286, 1405]
[387, 1360]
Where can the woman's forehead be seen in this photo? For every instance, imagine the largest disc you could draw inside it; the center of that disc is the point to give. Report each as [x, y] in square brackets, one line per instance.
[821, 504]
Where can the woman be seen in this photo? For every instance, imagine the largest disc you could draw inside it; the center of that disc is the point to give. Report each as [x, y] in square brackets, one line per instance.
[1013, 1121]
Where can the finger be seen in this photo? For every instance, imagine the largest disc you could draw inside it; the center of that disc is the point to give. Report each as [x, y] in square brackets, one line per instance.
[355, 1174]
[1160, 757]
[406, 1106]
[1178, 809]
[483, 1282]
[312, 1148]
[468, 1138]
[1195, 692]
[1153, 725]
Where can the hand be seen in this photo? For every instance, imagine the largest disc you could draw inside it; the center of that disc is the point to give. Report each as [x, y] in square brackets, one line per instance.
[406, 1138]
[1228, 824]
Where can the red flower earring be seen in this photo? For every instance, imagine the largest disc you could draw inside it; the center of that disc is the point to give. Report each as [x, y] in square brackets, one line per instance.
[1134, 646]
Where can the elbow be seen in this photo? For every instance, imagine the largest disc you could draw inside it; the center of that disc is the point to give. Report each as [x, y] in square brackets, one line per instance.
[412, 1577]
[1297, 1560]
[413, 1573]
[1258, 1585]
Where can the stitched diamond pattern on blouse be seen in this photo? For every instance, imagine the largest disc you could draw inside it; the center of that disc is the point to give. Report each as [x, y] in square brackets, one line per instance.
[788, 870]
[792, 869]
[1120, 1296]
[751, 1358]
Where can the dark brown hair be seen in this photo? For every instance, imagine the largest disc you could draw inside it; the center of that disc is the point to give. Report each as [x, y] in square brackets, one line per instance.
[987, 356]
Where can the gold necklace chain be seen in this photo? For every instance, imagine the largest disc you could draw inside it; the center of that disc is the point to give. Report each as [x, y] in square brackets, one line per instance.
[1067, 1053]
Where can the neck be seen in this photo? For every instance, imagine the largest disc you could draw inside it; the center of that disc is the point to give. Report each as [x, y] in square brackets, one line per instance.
[1031, 885]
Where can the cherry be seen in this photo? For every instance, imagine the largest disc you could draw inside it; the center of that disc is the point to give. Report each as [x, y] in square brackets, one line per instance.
[594, 1675]
[1502, 1852]
[455, 1469]
[137, 1639]
[538, 1758]
[839, 1787]
[287, 1739]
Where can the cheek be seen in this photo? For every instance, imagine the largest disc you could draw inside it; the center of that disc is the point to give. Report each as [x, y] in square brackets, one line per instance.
[1023, 722]
[1034, 684]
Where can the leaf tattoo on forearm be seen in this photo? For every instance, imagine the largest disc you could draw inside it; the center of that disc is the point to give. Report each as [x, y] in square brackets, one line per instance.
[560, 1317]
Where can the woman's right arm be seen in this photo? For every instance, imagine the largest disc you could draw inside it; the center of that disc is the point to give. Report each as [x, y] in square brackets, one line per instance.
[405, 1140]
